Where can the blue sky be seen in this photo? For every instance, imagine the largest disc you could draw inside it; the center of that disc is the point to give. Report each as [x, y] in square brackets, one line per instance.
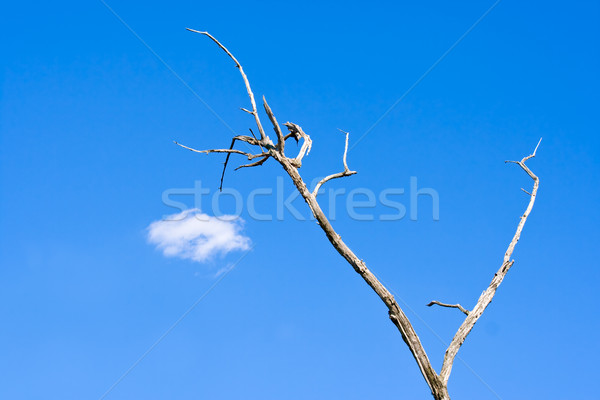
[87, 119]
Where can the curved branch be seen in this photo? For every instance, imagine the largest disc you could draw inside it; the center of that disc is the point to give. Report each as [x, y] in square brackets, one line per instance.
[256, 163]
[487, 296]
[315, 192]
[297, 132]
[250, 140]
[225, 165]
[254, 112]
[448, 305]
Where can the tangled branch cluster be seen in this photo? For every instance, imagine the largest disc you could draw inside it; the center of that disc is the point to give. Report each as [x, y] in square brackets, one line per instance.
[265, 145]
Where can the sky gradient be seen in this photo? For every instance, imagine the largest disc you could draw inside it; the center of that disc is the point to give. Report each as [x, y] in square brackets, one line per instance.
[88, 116]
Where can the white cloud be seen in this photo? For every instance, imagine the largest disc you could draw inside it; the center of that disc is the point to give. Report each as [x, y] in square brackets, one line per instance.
[194, 235]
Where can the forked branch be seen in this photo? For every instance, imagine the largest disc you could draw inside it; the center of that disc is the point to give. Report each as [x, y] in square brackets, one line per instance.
[345, 172]
[488, 294]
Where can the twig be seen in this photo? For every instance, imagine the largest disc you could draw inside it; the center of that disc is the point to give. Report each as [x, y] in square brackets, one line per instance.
[233, 151]
[291, 135]
[345, 149]
[225, 165]
[488, 294]
[254, 164]
[346, 171]
[254, 136]
[250, 140]
[448, 305]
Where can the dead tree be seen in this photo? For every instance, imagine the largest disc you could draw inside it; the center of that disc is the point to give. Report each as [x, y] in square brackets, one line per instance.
[266, 149]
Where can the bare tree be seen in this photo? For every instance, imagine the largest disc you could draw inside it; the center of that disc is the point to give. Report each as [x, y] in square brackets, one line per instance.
[266, 148]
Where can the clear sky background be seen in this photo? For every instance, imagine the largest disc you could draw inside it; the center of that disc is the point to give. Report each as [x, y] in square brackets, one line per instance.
[87, 119]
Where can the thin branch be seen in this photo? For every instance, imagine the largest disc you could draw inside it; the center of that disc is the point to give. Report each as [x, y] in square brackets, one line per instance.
[233, 151]
[254, 112]
[225, 165]
[345, 149]
[448, 305]
[254, 136]
[487, 296]
[276, 127]
[524, 159]
[254, 164]
[346, 171]
[315, 192]
[526, 191]
[532, 154]
[291, 135]
[250, 140]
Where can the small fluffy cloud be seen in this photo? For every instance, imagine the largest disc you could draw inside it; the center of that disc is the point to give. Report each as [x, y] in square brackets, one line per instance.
[197, 236]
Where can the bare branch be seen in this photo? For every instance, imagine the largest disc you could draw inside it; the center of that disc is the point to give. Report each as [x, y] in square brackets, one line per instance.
[532, 154]
[225, 165]
[345, 149]
[315, 192]
[276, 127]
[306, 145]
[254, 164]
[254, 112]
[230, 151]
[526, 191]
[254, 136]
[488, 294]
[396, 314]
[524, 159]
[250, 140]
[346, 171]
[291, 135]
[233, 151]
[448, 305]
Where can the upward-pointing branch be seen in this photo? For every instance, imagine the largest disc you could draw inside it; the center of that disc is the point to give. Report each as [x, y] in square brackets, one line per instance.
[345, 172]
[487, 296]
